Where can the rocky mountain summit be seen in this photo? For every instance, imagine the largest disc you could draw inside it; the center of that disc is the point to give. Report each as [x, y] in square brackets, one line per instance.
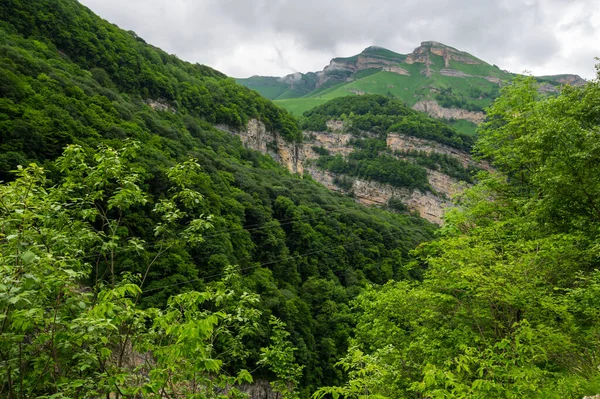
[434, 78]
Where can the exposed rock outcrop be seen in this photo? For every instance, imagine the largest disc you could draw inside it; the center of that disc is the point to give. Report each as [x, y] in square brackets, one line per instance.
[444, 184]
[357, 92]
[297, 159]
[428, 205]
[366, 62]
[567, 79]
[335, 143]
[421, 54]
[291, 78]
[396, 69]
[335, 125]
[454, 73]
[493, 79]
[435, 110]
[160, 105]
[449, 53]
[258, 138]
[401, 142]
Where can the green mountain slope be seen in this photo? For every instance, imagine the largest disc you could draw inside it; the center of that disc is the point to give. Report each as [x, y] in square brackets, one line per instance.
[432, 72]
[68, 77]
[508, 305]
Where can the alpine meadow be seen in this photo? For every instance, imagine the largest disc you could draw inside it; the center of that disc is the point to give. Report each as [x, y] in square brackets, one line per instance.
[417, 226]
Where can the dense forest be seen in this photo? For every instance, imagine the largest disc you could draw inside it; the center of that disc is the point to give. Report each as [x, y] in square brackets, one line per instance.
[508, 306]
[380, 114]
[145, 253]
[369, 119]
[150, 202]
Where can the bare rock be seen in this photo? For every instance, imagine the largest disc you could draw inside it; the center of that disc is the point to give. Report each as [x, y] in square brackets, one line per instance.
[493, 79]
[396, 69]
[357, 92]
[297, 159]
[335, 125]
[454, 73]
[160, 105]
[435, 110]
[403, 143]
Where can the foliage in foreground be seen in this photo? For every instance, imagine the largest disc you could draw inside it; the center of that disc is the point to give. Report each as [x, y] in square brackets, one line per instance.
[68, 77]
[509, 304]
[62, 338]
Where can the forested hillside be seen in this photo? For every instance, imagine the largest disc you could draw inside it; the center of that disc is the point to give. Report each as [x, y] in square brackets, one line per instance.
[151, 202]
[370, 119]
[508, 307]
[146, 253]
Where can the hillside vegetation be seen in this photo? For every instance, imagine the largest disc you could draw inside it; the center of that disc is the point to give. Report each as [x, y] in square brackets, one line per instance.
[119, 245]
[145, 253]
[432, 72]
[369, 119]
[508, 304]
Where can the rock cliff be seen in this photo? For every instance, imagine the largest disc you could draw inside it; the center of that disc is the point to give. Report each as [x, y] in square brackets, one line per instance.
[401, 142]
[433, 109]
[456, 74]
[299, 158]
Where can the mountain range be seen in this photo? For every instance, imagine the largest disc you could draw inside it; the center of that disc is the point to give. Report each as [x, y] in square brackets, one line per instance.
[443, 81]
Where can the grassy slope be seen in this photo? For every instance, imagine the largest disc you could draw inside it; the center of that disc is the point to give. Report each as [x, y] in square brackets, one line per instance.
[464, 126]
[297, 106]
[475, 89]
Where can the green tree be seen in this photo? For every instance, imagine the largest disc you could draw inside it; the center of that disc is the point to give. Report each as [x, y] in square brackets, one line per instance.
[62, 338]
[505, 306]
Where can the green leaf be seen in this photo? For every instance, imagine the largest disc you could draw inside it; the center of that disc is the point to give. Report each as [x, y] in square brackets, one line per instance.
[28, 256]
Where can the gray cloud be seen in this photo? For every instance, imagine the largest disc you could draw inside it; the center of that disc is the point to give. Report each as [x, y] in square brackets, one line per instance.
[276, 37]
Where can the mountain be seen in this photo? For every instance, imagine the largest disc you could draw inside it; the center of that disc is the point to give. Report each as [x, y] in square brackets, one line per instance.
[148, 250]
[378, 151]
[445, 82]
[152, 160]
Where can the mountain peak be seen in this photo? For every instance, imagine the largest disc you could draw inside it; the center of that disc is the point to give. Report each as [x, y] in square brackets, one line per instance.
[431, 43]
[423, 53]
[373, 48]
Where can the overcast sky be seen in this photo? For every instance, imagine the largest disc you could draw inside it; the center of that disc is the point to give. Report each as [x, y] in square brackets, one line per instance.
[276, 37]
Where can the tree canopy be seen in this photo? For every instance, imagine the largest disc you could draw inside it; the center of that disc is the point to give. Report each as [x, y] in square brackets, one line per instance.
[508, 304]
[306, 252]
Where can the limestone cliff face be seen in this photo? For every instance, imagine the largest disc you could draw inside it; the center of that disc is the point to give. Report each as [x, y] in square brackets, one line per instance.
[366, 62]
[435, 110]
[335, 143]
[258, 138]
[444, 184]
[421, 54]
[573, 80]
[343, 68]
[428, 205]
[362, 62]
[298, 158]
[396, 69]
[401, 142]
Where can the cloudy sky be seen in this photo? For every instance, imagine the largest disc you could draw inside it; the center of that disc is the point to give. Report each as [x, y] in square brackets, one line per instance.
[276, 37]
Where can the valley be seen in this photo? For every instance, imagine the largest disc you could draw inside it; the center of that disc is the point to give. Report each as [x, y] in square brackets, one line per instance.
[169, 232]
